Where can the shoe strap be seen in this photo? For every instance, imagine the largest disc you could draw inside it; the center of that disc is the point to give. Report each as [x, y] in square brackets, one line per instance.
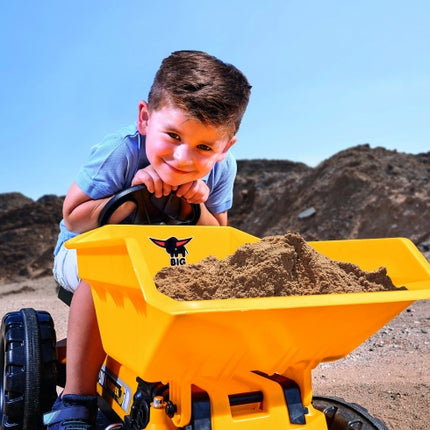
[69, 413]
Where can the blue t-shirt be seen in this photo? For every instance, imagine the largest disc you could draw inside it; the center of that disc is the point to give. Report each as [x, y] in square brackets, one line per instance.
[113, 163]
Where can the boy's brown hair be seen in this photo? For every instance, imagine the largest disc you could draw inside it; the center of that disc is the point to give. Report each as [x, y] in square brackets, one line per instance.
[203, 86]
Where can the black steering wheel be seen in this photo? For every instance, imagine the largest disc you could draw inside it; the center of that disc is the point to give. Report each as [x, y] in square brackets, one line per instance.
[149, 209]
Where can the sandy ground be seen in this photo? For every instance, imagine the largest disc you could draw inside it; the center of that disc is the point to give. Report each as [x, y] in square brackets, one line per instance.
[389, 374]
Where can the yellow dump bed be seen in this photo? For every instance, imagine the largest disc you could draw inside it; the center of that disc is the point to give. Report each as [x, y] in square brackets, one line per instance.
[162, 339]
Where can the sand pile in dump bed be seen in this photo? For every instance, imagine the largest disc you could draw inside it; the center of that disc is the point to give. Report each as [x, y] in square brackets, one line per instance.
[274, 266]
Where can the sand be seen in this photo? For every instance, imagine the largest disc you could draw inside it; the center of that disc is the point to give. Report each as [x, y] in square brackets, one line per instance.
[282, 265]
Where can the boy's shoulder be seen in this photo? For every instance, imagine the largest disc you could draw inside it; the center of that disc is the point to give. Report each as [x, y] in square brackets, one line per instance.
[224, 168]
[230, 159]
[111, 141]
[123, 132]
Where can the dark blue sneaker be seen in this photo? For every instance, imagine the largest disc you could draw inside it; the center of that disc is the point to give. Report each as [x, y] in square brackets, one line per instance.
[72, 412]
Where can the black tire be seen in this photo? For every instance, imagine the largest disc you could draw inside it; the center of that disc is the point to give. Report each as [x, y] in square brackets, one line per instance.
[28, 370]
[341, 415]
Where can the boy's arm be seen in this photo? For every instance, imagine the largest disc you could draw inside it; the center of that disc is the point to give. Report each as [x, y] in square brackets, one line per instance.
[81, 213]
[197, 192]
[208, 218]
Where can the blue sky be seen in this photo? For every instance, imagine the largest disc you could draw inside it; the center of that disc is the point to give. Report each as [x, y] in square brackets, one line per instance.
[326, 75]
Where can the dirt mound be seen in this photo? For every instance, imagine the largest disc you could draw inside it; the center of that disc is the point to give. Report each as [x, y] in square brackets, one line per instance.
[358, 193]
[273, 267]
[28, 233]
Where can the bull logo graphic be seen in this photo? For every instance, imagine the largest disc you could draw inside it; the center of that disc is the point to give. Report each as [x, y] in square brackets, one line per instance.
[174, 247]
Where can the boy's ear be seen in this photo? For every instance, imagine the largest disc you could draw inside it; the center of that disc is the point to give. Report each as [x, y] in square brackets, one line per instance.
[142, 117]
[232, 141]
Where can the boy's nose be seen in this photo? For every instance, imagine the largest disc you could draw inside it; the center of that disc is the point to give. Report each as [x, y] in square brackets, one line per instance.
[181, 153]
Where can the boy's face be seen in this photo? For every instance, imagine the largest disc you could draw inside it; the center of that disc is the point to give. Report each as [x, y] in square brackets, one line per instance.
[181, 149]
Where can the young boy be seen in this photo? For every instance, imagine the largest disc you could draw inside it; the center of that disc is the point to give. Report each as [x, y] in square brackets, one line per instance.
[180, 143]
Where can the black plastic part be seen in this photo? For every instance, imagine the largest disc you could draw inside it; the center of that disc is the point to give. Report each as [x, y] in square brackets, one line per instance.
[140, 409]
[139, 412]
[65, 295]
[28, 371]
[61, 374]
[170, 409]
[149, 210]
[341, 415]
[201, 408]
[106, 415]
[245, 398]
[200, 412]
[293, 398]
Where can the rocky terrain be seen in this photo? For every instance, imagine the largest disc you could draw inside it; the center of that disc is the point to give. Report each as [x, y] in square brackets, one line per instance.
[28, 232]
[360, 192]
[357, 193]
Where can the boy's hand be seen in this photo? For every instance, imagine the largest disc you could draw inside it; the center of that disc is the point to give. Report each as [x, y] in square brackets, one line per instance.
[195, 192]
[153, 182]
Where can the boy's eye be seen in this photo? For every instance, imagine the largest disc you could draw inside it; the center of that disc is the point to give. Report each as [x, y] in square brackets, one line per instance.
[174, 136]
[205, 148]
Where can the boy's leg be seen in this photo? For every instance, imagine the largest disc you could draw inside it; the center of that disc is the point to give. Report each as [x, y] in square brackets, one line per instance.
[76, 408]
[85, 353]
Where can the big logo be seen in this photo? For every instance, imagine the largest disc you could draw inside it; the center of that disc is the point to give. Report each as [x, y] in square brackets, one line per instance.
[174, 247]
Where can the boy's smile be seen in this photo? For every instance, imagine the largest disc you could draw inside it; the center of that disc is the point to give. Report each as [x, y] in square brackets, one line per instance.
[181, 149]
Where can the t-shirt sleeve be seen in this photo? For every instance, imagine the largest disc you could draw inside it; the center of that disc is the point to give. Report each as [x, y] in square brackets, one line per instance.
[221, 182]
[106, 171]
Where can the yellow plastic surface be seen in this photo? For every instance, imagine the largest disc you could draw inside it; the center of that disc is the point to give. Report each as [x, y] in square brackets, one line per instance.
[161, 339]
